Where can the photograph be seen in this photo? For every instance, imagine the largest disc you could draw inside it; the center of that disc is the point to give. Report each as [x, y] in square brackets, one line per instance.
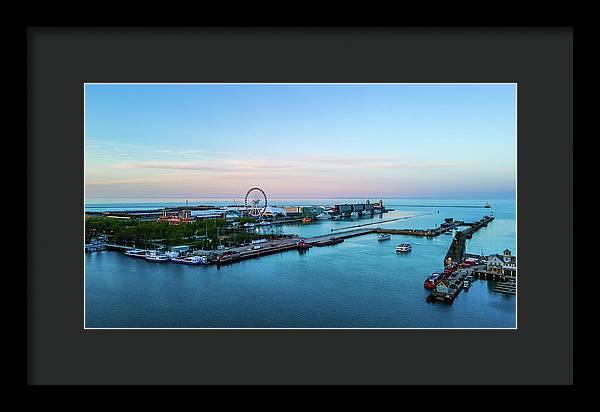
[300, 206]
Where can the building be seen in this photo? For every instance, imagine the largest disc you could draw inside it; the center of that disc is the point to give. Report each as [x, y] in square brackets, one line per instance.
[273, 211]
[180, 249]
[345, 209]
[442, 287]
[210, 214]
[506, 263]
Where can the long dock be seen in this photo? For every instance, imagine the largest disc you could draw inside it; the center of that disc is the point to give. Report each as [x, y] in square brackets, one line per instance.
[457, 250]
[422, 232]
[382, 221]
[248, 254]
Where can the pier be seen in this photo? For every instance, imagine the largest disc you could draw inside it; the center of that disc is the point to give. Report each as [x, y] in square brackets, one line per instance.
[382, 222]
[443, 228]
[235, 256]
[457, 250]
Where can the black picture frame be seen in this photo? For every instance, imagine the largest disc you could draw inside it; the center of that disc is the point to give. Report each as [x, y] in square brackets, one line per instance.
[60, 60]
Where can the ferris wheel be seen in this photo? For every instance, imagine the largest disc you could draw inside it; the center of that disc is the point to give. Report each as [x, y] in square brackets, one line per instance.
[255, 202]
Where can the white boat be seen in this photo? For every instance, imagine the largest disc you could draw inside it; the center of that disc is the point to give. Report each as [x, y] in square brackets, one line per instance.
[324, 216]
[156, 256]
[264, 223]
[248, 224]
[354, 214]
[384, 236]
[404, 247]
[140, 253]
[191, 260]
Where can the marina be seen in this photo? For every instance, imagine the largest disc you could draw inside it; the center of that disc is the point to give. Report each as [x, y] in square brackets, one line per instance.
[444, 286]
[288, 261]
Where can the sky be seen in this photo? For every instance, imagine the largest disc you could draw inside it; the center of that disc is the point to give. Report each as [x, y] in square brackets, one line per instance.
[300, 140]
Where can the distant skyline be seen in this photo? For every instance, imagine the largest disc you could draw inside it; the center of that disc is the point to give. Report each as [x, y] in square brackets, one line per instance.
[300, 140]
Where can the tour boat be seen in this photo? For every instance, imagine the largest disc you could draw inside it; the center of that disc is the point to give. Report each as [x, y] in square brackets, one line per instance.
[191, 260]
[432, 281]
[155, 256]
[139, 253]
[384, 236]
[404, 247]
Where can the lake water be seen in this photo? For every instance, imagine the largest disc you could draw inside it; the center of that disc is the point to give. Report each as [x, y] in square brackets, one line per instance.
[360, 283]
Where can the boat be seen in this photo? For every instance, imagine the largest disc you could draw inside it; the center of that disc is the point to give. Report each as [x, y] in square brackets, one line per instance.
[304, 245]
[432, 280]
[487, 205]
[384, 236]
[403, 247]
[307, 220]
[191, 260]
[354, 214]
[264, 223]
[466, 284]
[156, 256]
[139, 253]
[248, 224]
[324, 216]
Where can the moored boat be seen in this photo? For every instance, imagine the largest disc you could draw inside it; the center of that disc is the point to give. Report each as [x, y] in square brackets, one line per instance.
[432, 280]
[139, 253]
[191, 260]
[384, 236]
[304, 245]
[156, 256]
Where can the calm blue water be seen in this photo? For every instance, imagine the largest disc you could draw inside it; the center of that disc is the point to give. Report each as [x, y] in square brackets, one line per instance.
[359, 283]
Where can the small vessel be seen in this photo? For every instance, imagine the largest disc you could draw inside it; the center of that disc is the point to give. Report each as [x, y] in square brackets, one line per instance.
[466, 284]
[487, 205]
[264, 223]
[324, 216]
[156, 256]
[432, 280]
[307, 220]
[248, 224]
[403, 247]
[191, 260]
[303, 245]
[384, 236]
[354, 214]
[139, 253]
